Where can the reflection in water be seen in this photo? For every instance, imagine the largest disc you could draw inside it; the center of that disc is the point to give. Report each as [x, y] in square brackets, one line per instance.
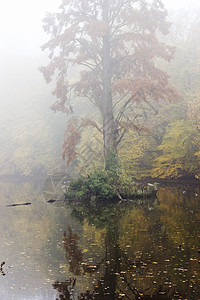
[66, 289]
[28, 237]
[72, 253]
[148, 253]
[149, 249]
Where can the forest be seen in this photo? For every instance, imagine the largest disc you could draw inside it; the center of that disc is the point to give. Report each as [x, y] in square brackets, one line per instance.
[157, 129]
[100, 152]
[127, 80]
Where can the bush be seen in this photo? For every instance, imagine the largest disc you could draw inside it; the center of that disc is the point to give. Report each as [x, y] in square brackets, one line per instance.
[95, 186]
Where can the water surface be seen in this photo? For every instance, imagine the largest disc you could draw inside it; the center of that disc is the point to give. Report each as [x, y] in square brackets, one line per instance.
[148, 249]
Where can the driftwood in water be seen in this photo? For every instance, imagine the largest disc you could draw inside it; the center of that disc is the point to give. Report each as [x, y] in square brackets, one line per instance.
[54, 200]
[17, 204]
[1, 268]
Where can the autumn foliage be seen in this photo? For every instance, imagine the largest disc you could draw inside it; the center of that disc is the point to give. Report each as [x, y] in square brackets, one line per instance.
[105, 52]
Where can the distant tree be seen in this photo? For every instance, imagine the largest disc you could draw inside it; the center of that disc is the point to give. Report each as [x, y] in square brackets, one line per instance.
[105, 51]
[179, 152]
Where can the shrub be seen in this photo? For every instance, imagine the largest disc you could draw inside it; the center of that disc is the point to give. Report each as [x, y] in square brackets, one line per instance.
[95, 186]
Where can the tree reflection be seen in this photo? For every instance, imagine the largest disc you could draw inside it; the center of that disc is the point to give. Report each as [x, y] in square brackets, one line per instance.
[66, 289]
[73, 254]
[142, 255]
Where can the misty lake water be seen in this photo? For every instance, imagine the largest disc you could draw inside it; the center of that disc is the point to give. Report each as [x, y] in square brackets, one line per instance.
[148, 249]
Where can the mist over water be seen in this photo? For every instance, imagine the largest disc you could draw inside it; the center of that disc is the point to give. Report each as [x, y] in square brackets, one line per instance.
[24, 96]
[31, 135]
[130, 250]
[115, 251]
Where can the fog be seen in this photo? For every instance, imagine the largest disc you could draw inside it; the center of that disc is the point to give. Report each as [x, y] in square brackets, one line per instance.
[130, 249]
[26, 124]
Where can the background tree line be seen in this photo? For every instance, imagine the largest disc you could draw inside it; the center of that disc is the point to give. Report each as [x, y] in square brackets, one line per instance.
[171, 148]
[158, 141]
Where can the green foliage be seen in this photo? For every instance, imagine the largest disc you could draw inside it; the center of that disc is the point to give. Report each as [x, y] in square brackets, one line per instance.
[172, 149]
[178, 152]
[126, 186]
[104, 185]
[95, 186]
[112, 167]
[111, 162]
[134, 158]
[108, 184]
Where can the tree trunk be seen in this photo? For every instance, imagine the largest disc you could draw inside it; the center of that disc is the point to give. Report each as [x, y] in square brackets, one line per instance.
[109, 127]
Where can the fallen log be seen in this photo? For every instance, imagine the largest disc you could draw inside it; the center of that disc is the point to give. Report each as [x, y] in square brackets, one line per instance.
[17, 204]
[54, 200]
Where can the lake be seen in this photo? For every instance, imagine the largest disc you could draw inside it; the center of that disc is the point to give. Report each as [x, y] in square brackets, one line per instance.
[146, 249]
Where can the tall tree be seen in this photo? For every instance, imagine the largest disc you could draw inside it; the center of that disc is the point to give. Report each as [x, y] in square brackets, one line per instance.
[112, 45]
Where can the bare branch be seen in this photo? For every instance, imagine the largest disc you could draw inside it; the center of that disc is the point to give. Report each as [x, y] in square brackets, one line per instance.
[121, 137]
[120, 99]
[123, 109]
[117, 28]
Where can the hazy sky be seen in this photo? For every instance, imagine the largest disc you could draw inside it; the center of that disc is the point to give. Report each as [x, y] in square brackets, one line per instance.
[21, 26]
[178, 4]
